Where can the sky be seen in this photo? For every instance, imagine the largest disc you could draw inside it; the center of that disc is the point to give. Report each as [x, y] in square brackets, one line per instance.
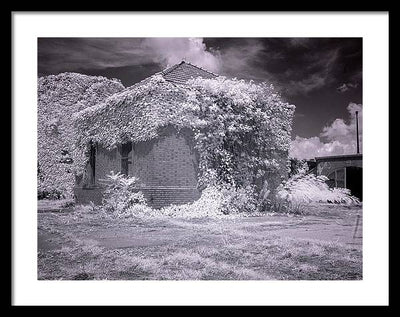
[322, 77]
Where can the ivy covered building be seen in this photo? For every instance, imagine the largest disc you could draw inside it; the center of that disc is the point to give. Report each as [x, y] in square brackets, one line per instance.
[179, 130]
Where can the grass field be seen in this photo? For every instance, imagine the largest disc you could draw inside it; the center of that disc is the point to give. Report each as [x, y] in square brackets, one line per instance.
[323, 245]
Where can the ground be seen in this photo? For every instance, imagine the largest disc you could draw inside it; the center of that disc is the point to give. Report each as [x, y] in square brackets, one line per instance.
[326, 244]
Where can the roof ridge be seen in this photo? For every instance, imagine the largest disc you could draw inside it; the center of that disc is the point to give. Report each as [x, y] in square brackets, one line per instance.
[171, 68]
[205, 70]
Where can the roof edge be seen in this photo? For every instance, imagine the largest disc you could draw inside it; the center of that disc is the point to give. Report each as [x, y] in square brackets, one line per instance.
[171, 68]
[344, 156]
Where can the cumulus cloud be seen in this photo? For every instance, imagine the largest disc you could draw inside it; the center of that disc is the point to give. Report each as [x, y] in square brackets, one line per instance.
[95, 53]
[170, 51]
[335, 139]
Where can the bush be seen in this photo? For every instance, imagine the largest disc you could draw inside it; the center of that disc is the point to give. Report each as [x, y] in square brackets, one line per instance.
[50, 194]
[238, 200]
[301, 190]
[121, 193]
[215, 202]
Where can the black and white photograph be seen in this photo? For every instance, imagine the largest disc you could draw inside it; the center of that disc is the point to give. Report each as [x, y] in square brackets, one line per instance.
[200, 158]
[189, 158]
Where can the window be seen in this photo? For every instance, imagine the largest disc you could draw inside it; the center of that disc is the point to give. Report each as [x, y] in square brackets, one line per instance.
[125, 149]
[337, 178]
[92, 165]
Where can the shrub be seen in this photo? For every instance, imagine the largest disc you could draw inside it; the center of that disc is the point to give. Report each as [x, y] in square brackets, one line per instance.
[121, 193]
[298, 166]
[304, 189]
[215, 202]
[50, 194]
[238, 200]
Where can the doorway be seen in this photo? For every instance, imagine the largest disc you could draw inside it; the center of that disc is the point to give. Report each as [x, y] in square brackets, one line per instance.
[354, 181]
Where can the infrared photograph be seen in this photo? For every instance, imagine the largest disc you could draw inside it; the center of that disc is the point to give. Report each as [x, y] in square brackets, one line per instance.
[213, 158]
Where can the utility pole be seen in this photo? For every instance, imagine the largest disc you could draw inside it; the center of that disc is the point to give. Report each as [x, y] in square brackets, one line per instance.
[358, 144]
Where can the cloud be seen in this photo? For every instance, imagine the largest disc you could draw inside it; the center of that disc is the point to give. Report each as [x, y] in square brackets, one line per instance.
[243, 59]
[289, 64]
[346, 86]
[88, 53]
[308, 148]
[335, 139]
[315, 71]
[304, 86]
[170, 51]
[59, 54]
[295, 66]
[299, 42]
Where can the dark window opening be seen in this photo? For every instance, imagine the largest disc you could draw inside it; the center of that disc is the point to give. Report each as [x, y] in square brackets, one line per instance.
[348, 177]
[92, 164]
[125, 149]
[354, 181]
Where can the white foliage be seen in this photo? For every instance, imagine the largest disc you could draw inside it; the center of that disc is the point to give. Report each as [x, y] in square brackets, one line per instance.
[304, 189]
[59, 98]
[121, 193]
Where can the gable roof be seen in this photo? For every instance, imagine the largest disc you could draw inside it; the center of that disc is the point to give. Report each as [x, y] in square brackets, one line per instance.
[137, 112]
[184, 71]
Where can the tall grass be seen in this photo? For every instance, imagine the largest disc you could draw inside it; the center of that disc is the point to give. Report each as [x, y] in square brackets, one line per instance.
[301, 190]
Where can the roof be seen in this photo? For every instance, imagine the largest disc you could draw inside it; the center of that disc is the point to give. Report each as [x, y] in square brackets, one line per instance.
[339, 157]
[138, 112]
[184, 71]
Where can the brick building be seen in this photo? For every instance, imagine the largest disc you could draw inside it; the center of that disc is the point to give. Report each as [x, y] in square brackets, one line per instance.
[167, 166]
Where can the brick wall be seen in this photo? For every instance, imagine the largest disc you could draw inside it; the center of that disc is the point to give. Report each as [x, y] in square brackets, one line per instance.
[87, 195]
[167, 168]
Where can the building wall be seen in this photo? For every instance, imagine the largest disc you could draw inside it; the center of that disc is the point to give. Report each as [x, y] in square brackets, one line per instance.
[342, 171]
[328, 166]
[167, 169]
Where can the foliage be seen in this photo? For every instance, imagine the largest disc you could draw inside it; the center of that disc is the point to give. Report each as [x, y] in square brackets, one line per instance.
[298, 167]
[216, 202]
[246, 132]
[59, 97]
[242, 129]
[136, 114]
[121, 193]
[304, 189]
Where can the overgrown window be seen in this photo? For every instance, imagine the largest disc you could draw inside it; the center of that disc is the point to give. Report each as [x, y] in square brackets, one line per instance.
[92, 164]
[125, 149]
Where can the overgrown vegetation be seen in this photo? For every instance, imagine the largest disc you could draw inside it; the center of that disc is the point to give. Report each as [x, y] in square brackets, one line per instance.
[122, 198]
[241, 133]
[121, 193]
[241, 129]
[217, 202]
[59, 97]
[301, 190]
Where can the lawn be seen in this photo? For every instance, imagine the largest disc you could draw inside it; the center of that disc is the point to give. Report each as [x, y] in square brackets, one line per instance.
[76, 243]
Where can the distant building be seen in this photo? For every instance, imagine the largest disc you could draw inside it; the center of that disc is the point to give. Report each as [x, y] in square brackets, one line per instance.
[344, 171]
